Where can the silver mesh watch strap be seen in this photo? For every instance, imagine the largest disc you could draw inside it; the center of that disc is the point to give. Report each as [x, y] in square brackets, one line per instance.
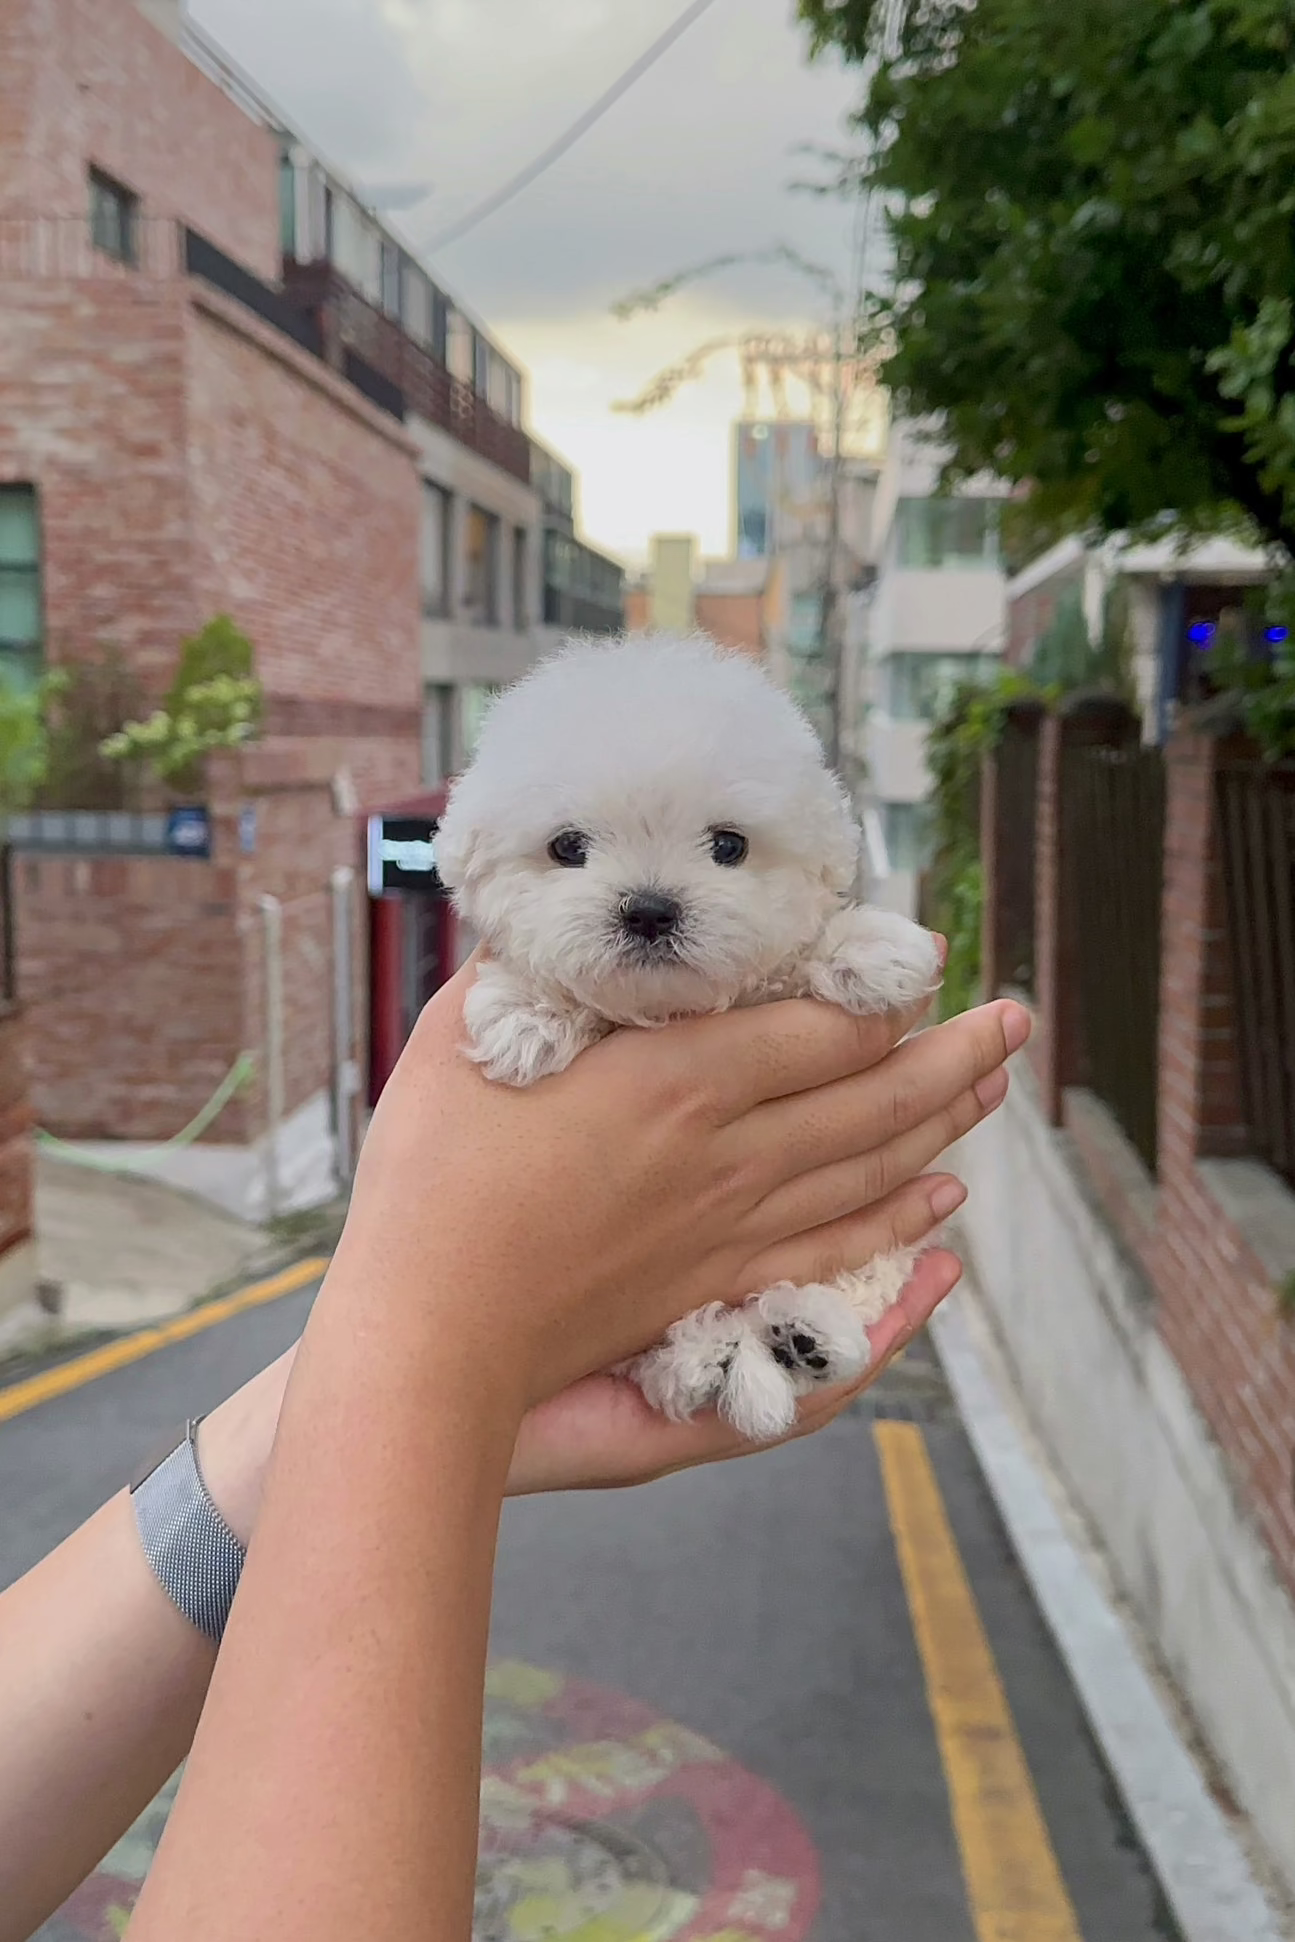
[195, 1556]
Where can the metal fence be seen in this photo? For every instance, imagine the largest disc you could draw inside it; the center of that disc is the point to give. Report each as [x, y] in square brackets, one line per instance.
[1113, 803]
[1017, 809]
[1257, 821]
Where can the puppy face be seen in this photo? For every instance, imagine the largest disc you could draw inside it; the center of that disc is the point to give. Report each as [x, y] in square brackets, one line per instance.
[649, 827]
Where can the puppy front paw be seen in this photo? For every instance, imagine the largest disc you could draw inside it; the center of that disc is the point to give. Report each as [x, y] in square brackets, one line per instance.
[716, 1359]
[813, 1334]
[517, 1038]
[873, 961]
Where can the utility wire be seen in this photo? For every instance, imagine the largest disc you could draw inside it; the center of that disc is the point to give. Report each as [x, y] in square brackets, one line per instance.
[558, 149]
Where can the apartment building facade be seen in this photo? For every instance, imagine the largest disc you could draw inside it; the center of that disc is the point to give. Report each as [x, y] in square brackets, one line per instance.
[227, 387]
[935, 615]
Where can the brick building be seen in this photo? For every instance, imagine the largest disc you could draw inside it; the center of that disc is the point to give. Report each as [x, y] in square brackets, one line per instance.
[1132, 1209]
[226, 387]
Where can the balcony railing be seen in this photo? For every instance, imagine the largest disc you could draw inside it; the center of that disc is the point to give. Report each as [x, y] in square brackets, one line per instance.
[203, 259]
[350, 323]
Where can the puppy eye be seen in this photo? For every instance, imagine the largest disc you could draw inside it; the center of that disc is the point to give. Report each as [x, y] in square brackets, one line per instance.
[728, 847]
[570, 848]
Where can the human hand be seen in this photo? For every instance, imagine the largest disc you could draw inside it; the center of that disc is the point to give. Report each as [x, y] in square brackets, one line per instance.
[601, 1434]
[526, 1239]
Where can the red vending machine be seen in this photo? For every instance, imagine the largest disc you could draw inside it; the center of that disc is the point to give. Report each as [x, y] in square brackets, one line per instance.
[415, 941]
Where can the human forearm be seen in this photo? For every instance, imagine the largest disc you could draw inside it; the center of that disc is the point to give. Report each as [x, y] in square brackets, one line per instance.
[101, 1679]
[332, 1788]
[101, 1684]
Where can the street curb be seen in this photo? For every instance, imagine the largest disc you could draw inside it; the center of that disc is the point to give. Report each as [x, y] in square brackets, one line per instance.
[1203, 1869]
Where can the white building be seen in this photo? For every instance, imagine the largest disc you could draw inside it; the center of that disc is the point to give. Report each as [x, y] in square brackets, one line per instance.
[935, 615]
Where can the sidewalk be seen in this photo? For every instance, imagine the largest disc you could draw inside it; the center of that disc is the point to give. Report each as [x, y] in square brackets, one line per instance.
[119, 1252]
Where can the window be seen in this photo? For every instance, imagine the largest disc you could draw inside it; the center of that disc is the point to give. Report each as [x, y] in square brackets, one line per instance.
[947, 532]
[288, 206]
[481, 577]
[114, 218]
[417, 305]
[805, 634]
[917, 687]
[440, 327]
[435, 549]
[907, 826]
[438, 735]
[20, 587]
[392, 280]
[475, 706]
[480, 366]
[521, 596]
[459, 347]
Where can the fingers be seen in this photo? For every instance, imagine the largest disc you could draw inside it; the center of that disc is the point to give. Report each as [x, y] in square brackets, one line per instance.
[853, 1187]
[744, 1058]
[922, 1081]
[823, 1252]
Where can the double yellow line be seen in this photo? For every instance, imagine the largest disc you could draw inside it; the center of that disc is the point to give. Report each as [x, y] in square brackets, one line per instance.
[66, 1376]
[1014, 1885]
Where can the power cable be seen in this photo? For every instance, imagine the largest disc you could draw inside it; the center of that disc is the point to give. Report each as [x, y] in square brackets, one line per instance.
[559, 148]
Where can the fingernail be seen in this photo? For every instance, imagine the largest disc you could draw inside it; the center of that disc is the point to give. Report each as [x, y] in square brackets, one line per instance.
[1016, 1026]
[946, 1198]
[992, 1091]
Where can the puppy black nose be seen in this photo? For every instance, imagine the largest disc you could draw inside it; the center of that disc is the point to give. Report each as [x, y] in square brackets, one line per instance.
[649, 915]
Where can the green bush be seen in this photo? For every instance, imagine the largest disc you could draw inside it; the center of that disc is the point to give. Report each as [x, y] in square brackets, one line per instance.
[214, 703]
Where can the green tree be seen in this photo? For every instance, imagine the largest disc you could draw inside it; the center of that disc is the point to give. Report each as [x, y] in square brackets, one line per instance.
[1093, 217]
[214, 703]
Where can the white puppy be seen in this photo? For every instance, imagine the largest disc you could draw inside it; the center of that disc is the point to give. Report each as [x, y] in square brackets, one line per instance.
[649, 830]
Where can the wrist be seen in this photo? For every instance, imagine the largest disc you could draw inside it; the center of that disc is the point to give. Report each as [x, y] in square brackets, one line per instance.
[234, 1446]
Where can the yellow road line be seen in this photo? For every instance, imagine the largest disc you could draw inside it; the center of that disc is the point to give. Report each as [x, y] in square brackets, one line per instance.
[1014, 1884]
[22, 1396]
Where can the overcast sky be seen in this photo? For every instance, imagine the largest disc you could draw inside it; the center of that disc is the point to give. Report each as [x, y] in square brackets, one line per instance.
[697, 159]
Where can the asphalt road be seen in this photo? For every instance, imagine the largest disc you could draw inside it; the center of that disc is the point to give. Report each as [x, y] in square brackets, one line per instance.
[805, 1698]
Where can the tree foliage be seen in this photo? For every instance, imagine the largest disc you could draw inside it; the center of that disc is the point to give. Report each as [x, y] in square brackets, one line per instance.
[1093, 215]
[214, 703]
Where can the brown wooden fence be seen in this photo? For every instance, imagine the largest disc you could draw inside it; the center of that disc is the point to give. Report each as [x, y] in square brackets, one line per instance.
[1017, 759]
[1257, 820]
[1113, 805]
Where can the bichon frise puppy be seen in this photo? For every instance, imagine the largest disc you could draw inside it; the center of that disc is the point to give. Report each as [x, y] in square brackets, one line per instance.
[649, 830]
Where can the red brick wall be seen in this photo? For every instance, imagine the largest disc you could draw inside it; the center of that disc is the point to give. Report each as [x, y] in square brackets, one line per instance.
[734, 619]
[306, 519]
[1215, 1305]
[16, 1183]
[131, 973]
[92, 412]
[144, 977]
[93, 82]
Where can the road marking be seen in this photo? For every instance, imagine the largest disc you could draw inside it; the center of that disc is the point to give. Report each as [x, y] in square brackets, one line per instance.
[59, 1381]
[1014, 1885]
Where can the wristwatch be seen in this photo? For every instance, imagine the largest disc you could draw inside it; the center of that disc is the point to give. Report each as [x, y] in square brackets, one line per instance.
[195, 1556]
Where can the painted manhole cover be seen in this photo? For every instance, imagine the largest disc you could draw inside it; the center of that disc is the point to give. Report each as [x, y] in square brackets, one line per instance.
[601, 1821]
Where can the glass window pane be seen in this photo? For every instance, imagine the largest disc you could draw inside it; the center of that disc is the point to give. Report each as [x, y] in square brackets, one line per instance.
[19, 607]
[435, 549]
[481, 562]
[18, 535]
[946, 532]
[907, 831]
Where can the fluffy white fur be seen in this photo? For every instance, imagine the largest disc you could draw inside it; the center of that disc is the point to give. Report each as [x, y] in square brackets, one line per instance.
[645, 748]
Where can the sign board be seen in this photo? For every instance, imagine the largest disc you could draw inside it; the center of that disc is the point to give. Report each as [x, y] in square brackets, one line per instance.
[402, 855]
[188, 833]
